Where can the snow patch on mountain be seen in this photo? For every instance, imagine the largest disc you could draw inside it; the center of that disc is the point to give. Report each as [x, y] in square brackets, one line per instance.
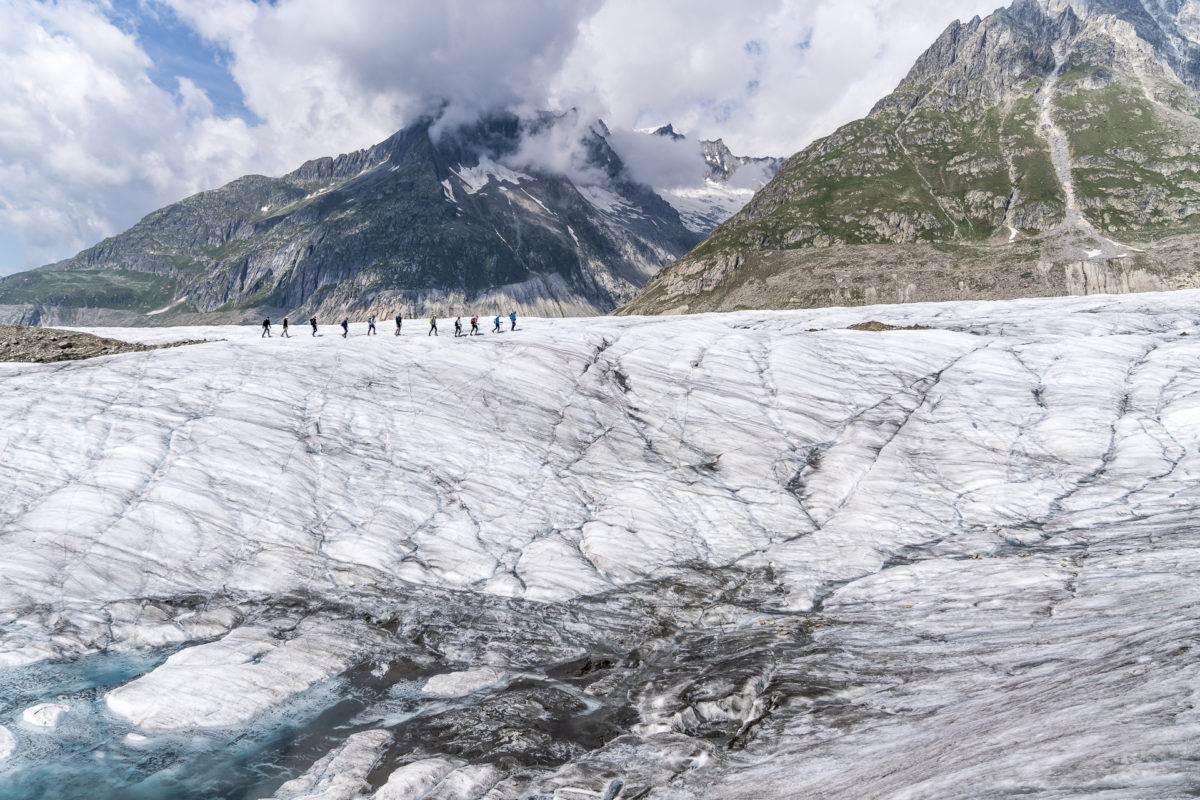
[477, 177]
[704, 208]
[609, 201]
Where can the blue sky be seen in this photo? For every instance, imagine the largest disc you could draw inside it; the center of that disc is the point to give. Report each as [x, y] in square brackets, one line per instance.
[176, 50]
[114, 108]
[12, 252]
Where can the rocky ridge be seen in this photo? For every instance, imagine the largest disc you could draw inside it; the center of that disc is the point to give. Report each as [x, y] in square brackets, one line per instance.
[1046, 142]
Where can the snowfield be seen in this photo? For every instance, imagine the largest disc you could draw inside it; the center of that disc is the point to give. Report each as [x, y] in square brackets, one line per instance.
[726, 556]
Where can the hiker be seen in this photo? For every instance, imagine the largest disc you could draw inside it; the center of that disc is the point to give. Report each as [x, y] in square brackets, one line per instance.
[475, 325]
[371, 326]
[496, 324]
[432, 327]
[345, 327]
[285, 324]
[399, 323]
[512, 317]
[313, 322]
[266, 327]
[457, 327]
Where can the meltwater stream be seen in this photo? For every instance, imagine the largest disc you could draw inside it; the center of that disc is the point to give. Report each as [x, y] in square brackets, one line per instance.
[92, 754]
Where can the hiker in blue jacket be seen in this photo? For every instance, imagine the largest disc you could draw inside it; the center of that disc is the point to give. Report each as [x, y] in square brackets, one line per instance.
[496, 324]
[512, 317]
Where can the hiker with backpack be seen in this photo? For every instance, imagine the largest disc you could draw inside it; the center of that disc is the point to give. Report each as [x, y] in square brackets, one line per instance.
[285, 326]
[371, 326]
[512, 317]
[345, 327]
[496, 324]
[475, 325]
[457, 327]
[266, 327]
[432, 327]
[399, 323]
[313, 322]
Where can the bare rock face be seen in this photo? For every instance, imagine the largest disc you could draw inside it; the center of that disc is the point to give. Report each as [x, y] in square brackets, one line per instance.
[981, 61]
[1069, 124]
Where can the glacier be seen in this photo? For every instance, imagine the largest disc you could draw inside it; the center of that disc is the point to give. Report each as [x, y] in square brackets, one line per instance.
[726, 556]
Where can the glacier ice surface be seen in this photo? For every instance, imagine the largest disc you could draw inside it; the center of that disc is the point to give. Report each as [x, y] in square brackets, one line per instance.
[44, 715]
[668, 557]
[457, 684]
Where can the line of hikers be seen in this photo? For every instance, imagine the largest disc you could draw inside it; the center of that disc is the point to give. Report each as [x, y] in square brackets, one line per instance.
[433, 330]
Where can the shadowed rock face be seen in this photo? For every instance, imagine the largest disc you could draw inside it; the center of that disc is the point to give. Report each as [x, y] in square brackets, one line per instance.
[420, 223]
[1048, 139]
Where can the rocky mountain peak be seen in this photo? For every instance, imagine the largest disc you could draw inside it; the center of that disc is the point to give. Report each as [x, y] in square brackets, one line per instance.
[1171, 27]
[723, 182]
[721, 161]
[668, 131]
[1052, 146]
[979, 61]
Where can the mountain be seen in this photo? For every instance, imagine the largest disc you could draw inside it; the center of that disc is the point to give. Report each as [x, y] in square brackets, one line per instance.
[1050, 148]
[424, 222]
[726, 183]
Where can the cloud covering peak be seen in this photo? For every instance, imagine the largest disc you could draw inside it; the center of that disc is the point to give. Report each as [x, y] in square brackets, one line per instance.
[113, 108]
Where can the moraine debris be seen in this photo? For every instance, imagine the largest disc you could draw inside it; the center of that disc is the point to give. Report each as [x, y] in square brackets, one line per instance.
[46, 345]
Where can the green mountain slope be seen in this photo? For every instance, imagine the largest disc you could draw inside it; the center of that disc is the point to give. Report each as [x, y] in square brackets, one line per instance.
[1029, 144]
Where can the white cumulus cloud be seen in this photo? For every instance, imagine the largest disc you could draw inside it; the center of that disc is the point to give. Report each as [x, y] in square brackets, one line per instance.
[89, 142]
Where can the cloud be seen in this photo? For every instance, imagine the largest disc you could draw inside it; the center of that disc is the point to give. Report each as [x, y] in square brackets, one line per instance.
[767, 76]
[93, 134]
[557, 148]
[659, 161]
[350, 76]
[87, 142]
